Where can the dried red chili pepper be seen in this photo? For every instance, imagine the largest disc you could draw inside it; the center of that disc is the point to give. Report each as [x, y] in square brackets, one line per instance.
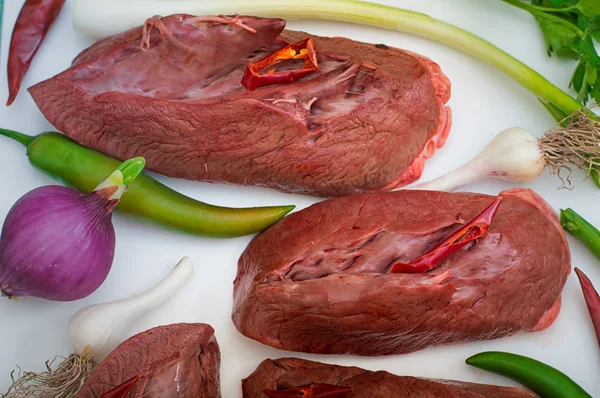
[311, 391]
[474, 229]
[31, 27]
[591, 299]
[121, 390]
[304, 49]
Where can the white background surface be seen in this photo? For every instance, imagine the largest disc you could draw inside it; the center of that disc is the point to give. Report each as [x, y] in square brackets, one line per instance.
[483, 102]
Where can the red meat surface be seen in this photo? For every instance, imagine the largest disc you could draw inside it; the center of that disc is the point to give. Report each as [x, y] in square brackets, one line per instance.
[365, 121]
[284, 373]
[180, 360]
[318, 281]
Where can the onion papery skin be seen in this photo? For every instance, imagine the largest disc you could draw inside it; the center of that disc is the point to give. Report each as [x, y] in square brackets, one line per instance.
[56, 244]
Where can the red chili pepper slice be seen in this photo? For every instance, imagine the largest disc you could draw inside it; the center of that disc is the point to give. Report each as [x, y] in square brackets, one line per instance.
[304, 49]
[474, 229]
[121, 390]
[31, 27]
[591, 299]
[311, 391]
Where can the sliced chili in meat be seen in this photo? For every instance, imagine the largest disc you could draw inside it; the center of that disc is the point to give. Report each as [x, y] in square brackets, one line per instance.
[474, 229]
[121, 390]
[311, 391]
[31, 27]
[305, 49]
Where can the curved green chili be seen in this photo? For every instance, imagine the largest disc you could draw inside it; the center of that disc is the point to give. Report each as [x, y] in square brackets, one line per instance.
[83, 169]
[535, 375]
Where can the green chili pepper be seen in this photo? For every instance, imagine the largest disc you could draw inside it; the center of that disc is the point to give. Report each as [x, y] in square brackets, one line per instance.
[595, 173]
[581, 229]
[83, 169]
[540, 378]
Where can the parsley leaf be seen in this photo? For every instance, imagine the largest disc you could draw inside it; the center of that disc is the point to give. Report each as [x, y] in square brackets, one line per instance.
[570, 28]
[587, 51]
[554, 3]
[589, 8]
[586, 77]
[595, 92]
[558, 37]
[594, 25]
[578, 76]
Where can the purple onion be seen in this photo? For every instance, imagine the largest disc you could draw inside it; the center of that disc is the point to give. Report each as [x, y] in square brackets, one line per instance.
[56, 244]
[59, 244]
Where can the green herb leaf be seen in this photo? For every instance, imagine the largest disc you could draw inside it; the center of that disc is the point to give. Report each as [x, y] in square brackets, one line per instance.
[578, 76]
[591, 75]
[595, 91]
[554, 3]
[558, 37]
[594, 25]
[589, 8]
[570, 28]
[594, 28]
[588, 51]
[583, 22]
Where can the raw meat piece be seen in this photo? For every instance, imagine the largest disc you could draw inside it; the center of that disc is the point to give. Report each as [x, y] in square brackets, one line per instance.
[318, 281]
[292, 372]
[180, 360]
[366, 121]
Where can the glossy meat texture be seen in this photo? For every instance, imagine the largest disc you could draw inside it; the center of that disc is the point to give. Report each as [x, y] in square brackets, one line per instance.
[318, 281]
[365, 121]
[174, 361]
[284, 373]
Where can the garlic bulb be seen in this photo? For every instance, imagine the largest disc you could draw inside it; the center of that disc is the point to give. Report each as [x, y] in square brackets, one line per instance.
[94, 330]
[513, 155]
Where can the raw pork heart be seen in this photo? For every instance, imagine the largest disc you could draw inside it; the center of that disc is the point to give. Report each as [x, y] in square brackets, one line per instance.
[318, 281]
[291, 372]
[180, 360]
[366, 121]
